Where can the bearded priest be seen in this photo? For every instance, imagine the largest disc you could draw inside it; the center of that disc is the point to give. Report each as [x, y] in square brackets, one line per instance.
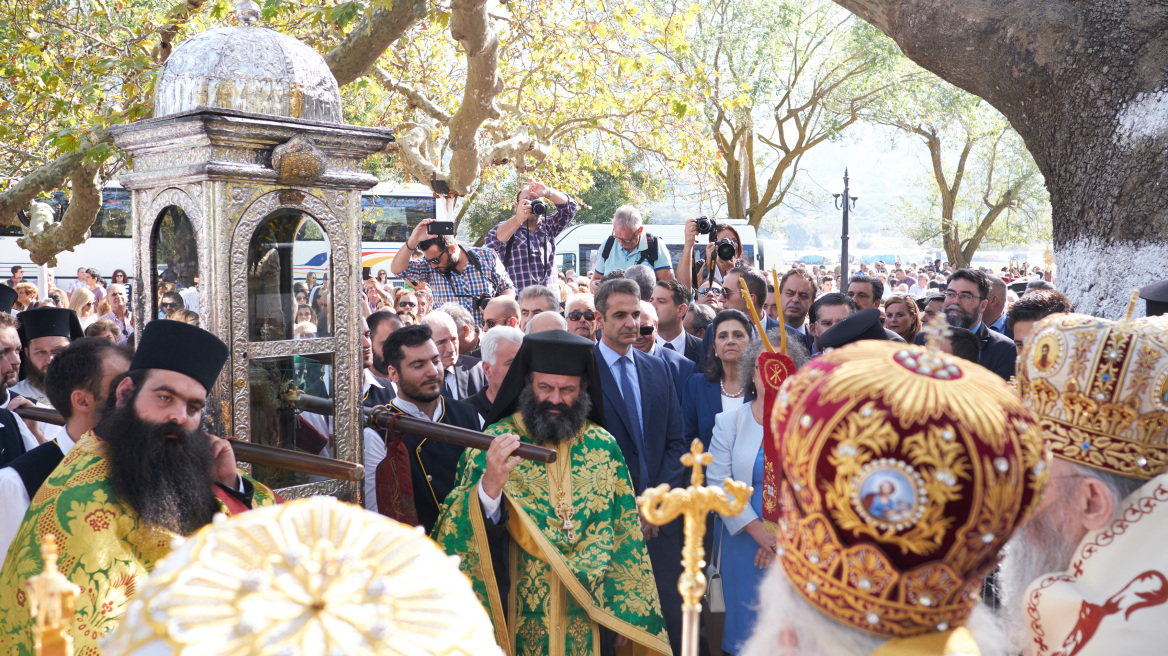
[145, 475]
[555, 551]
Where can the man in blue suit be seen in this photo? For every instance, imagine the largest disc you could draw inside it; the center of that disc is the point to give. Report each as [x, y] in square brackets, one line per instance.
[756, 286]
[645, 418]
[679, 366]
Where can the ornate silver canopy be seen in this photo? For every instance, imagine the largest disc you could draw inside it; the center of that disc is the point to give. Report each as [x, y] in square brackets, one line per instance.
[249, 69]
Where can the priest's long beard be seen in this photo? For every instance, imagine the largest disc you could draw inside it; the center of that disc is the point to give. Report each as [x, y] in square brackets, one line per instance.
[162, 471]
[550, 427]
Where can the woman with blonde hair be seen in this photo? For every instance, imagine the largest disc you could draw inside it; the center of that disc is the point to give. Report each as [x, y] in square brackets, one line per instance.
[902, 317]
[81, 302]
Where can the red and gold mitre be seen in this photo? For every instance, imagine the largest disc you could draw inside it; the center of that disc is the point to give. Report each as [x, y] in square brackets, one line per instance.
[1100, 391]
[903, 473]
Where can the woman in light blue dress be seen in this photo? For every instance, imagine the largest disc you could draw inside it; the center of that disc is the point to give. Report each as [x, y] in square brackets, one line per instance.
[746, 547]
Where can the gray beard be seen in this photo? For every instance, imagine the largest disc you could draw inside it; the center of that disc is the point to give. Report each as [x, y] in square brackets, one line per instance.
[1040, 547]
[958, 318]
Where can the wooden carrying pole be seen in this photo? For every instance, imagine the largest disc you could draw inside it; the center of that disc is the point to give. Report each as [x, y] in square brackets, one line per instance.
[256, 454]
[384, 418]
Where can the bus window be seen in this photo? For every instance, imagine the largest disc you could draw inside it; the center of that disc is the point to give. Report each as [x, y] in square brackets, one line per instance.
[748, 253]
[392, 218]
[569, 262]
[114, 217]
[589, 255]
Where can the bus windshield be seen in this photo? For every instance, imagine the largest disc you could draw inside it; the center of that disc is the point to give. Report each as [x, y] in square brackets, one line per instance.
[392, 218]
[113, 219]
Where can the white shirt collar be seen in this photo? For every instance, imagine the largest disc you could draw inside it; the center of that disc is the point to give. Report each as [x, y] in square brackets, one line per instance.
[64, 441]
[678, 342]
[412, 410]
[370, 380]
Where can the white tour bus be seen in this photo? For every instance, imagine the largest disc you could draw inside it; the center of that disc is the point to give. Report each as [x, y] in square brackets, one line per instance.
[389, 212]
[578, 246]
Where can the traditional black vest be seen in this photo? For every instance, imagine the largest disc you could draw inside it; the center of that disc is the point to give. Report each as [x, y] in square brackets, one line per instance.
[434, 464]
[35, 466]
[11, 441]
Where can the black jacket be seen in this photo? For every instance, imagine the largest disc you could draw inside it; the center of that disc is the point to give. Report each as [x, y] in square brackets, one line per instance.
[434, 464]
[998, 353]
[469, 375]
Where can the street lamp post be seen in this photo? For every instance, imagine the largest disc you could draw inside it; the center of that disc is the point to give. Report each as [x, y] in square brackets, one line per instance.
[848, 203]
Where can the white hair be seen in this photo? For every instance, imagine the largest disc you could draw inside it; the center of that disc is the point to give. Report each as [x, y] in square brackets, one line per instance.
[461, 317]
[582, 297]
[627, 216]
[789, 626]
[441, 319]
[647, 308]
[490, 341]
[561, 323]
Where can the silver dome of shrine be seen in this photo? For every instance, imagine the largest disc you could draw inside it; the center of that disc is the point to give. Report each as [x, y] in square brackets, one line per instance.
[248, 69]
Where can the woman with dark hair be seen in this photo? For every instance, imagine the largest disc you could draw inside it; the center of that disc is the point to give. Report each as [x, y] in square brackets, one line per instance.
[719, 388]
[119, 277]
[722, 266]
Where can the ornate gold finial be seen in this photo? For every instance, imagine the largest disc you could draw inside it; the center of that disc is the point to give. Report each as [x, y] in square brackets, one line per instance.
[936, 332]
[52, 600]
[660, 505]
[1131, 306]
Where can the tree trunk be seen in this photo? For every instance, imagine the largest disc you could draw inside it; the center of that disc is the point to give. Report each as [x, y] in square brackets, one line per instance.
[1083, 82]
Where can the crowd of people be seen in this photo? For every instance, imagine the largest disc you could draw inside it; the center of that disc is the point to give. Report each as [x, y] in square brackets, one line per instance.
[892, 461]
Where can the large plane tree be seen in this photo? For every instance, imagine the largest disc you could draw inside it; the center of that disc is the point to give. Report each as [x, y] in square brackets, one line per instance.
[1084, 83]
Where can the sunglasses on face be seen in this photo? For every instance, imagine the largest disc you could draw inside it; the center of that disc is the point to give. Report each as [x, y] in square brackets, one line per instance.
[587, 315]
[409, 304]
[168, 306]
[646, 331]
[702, 291]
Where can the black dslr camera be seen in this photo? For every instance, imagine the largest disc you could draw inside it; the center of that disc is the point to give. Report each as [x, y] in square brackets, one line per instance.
[705, 225]
[726, 249]
[539, 207]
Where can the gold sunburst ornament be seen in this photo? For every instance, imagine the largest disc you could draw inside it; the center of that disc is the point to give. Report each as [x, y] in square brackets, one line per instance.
[309, 577]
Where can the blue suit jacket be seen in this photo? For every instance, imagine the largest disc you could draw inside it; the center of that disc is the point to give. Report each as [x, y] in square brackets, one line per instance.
[680, 367]
[700, 402]
[664, 440]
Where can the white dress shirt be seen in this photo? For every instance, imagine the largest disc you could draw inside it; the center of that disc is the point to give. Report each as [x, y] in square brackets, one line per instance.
[678, 342]
[375, 450]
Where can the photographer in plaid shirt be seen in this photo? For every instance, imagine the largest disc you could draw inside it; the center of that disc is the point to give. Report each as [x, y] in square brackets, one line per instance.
[526, 243]
[454, 272]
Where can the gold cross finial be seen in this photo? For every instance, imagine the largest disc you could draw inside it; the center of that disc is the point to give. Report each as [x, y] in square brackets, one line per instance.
[660, 505]
[52, 600]
[697, 459]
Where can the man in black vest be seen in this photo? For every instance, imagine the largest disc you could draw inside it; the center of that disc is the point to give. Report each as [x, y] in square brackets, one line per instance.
[15, 437]
[415, 366]
[77, 383]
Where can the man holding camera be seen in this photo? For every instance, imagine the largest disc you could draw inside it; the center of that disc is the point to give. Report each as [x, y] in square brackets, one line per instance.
[453, 272]
[724, 251]
[526, 243]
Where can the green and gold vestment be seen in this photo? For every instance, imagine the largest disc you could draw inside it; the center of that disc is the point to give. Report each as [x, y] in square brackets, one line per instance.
[571, 571]
[105, 548]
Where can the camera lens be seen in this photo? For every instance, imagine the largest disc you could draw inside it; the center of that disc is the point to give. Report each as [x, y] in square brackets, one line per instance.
[726, 250]
[539, 207]
[704, 225]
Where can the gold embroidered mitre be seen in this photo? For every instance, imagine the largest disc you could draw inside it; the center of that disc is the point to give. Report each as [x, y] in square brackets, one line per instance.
[903, 472]
[313, 576]
[1100, 390]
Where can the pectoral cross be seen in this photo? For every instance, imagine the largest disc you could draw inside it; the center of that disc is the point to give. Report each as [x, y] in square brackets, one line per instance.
[660, 505]
[565, 512]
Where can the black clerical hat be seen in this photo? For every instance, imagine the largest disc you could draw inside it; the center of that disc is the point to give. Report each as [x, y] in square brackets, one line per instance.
[7, 298]
[864, 324]
[550, 352]
[49, 322]
[179, 346]
[1155, 296]
[1018, 287]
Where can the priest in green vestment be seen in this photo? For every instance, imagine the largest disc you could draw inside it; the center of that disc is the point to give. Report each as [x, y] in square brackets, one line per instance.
[554, 551]
[147, 474]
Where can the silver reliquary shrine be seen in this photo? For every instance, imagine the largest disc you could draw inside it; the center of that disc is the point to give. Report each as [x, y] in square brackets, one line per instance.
[247, 183]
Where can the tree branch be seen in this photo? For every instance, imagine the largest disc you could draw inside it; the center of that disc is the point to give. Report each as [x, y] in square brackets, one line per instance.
[166, 35]
[414, 98]
[84, 202]
[361, 48]
[47, 177]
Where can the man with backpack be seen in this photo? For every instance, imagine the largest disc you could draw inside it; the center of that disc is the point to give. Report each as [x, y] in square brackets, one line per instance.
[526, 243]
[636, 246]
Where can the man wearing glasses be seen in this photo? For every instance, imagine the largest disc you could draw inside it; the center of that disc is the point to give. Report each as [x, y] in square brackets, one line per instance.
[454, 273]
[581, 315]
[630, 245]
[966, 298]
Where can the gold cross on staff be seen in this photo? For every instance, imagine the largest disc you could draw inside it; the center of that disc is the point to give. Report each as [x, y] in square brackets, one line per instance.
[660, 505]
